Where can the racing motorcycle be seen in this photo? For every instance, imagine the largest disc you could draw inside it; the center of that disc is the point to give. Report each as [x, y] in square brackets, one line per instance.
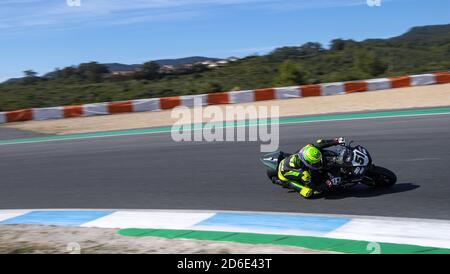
[352, 163]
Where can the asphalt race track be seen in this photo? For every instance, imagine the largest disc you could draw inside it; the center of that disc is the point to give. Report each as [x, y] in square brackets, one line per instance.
[153, 172]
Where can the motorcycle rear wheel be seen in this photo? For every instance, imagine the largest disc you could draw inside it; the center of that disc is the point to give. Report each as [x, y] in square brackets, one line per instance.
[271, 173]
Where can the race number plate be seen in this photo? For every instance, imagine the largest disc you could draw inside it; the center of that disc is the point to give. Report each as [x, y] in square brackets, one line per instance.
[360, 157]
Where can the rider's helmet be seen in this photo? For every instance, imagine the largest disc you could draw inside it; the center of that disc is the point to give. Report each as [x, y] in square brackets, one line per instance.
[311, 157]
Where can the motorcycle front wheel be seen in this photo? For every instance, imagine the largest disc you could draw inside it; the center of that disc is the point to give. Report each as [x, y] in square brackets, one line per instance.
[382, 177]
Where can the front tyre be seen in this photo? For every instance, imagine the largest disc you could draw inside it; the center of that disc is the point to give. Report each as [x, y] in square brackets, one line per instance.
[382, 177]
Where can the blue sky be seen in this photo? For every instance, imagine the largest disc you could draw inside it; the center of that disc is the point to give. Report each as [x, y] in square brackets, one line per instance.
[45, 34]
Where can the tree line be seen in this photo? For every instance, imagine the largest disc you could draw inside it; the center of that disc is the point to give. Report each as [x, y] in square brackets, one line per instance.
[421, 50]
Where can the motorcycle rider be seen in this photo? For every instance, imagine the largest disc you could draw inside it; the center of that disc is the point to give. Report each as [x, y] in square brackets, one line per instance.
[304, 170]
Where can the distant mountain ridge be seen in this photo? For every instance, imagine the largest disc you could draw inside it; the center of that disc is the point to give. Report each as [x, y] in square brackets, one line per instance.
[185, 61]
[113, 67]
[424, 34]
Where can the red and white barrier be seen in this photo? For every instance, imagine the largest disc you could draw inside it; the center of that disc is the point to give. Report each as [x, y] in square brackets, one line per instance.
[143, 105]
[232, 97]
[48, 113]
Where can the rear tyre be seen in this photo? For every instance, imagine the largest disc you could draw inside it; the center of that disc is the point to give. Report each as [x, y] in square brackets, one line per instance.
[382, 177]
[271, 173]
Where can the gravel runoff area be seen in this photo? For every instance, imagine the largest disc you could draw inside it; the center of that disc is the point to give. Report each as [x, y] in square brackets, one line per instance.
[36, 239]
[400, 98]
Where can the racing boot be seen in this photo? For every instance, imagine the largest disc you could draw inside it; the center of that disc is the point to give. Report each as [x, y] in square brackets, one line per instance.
[307, 192]
[304, 191]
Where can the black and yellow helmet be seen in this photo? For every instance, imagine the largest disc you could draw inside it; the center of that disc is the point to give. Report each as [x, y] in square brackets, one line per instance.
[311, 157]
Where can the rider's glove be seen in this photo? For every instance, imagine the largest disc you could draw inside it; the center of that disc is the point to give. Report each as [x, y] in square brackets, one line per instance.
[340, 140]
[306, 177]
